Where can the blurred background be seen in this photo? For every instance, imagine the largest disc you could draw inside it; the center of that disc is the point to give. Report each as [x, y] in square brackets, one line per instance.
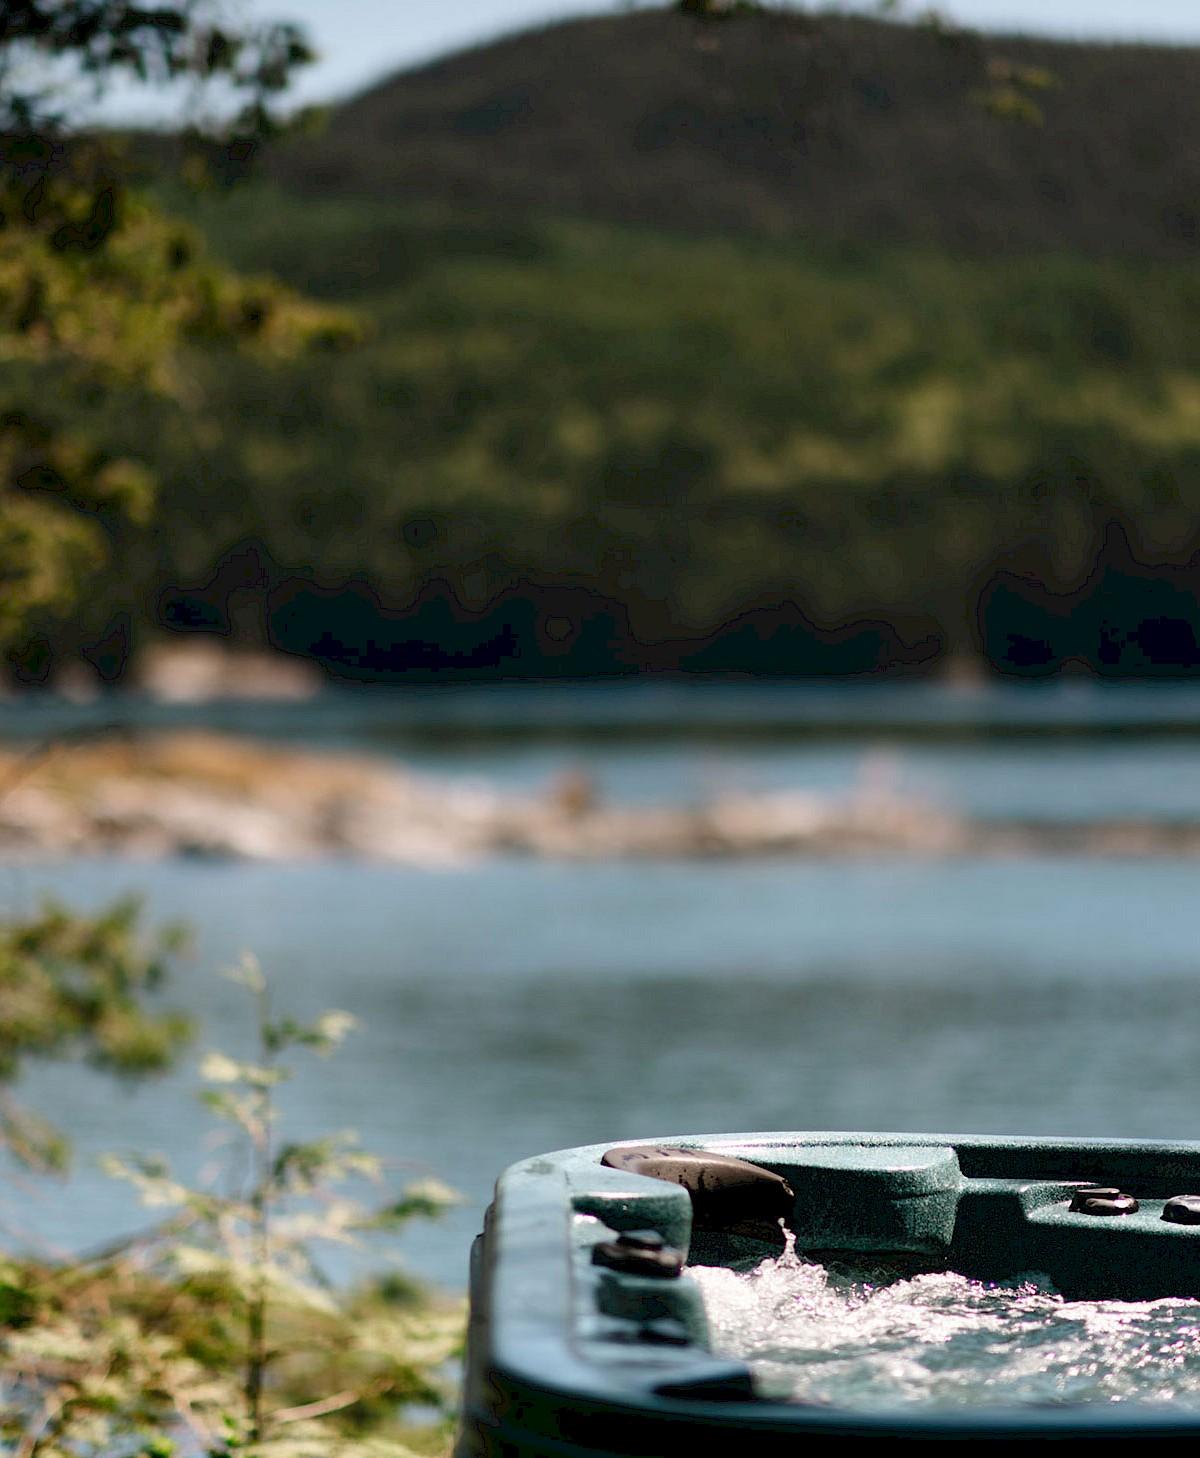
[761, 442]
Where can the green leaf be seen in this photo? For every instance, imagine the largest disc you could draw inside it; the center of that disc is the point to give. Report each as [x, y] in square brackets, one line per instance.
[248, 973]
[220, 1068]
[332, 1027]
[240, 1109]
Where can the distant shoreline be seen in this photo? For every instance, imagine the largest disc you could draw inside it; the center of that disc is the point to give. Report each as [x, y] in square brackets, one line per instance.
[202, 794]
[637, 707]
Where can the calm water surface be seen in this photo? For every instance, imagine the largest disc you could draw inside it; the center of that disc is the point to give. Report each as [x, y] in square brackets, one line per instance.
[1042, 780]
[516, 1007]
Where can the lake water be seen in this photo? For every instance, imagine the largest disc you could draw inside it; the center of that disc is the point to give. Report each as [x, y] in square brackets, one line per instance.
[516, 1006]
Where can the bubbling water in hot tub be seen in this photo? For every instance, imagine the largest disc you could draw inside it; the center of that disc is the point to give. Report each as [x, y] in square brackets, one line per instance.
[851, 1336]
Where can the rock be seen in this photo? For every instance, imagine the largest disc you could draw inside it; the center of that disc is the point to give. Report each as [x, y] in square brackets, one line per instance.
[205, 794]
[196, 670]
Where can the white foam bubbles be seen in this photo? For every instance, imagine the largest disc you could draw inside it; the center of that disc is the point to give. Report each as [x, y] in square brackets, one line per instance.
[863, 1339]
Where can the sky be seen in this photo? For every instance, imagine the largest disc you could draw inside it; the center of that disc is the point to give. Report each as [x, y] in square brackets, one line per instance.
[363, 41]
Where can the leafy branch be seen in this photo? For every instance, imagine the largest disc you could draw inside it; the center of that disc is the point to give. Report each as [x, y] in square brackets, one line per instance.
[71, 984]
[101, 293]
[221, 1320]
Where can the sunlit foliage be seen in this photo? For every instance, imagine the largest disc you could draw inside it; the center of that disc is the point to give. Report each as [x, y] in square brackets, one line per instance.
[217, 1331]
[73, 984]
[99, 290]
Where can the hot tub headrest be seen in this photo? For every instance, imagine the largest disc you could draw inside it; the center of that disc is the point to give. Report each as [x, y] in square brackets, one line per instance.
[728, 1194]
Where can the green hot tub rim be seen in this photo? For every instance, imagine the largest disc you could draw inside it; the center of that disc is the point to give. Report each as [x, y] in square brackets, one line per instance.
[559, 1360]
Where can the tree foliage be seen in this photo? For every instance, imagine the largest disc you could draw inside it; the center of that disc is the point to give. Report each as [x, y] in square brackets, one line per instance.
[220, 1324]
[686, 428]
[102, 293]
[102, 297]
[177, 40]
[72, 984]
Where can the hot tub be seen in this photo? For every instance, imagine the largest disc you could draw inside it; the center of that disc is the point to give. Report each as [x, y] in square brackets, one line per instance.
[589, 1332]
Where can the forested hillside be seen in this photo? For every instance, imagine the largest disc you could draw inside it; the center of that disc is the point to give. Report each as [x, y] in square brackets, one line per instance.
[728, 439]
[794, 124]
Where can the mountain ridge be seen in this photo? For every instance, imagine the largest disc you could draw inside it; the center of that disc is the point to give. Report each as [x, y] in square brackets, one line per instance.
[791, 125]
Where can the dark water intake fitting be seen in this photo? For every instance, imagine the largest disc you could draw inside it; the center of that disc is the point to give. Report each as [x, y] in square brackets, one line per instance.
[639, 1253]
[728, 1194]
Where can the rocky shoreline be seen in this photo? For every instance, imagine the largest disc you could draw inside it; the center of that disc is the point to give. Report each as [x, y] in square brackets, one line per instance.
[210, 795]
